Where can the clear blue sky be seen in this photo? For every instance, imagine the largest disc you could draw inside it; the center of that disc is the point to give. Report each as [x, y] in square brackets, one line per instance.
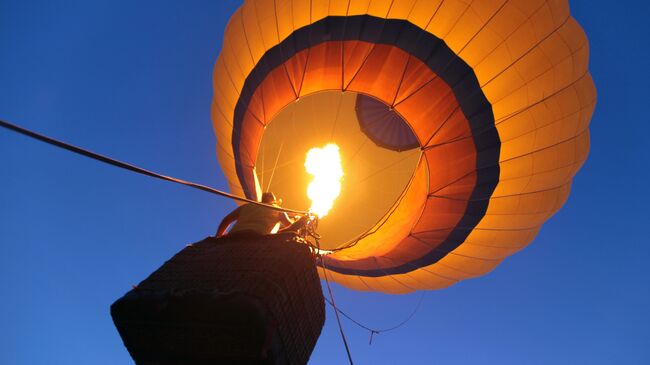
[133, 81]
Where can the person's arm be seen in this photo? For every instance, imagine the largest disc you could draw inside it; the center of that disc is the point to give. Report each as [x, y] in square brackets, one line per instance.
[227, 221]
[285, 221]
[296, 225]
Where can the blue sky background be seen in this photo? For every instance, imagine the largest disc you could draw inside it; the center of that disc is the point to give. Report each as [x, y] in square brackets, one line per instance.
[133, 81]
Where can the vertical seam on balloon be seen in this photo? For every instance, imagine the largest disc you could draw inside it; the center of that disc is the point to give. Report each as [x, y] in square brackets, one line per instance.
[277, 21]
[433, 16]
[514, 31]
[421, 285]
[394, 104]
[469, 274]
[368, 7]
[447, 252]
[431, 193]
[549, 146]
[286, 71]
[223, 115]
[387, 275]
[363, 281]
[410, 10]
[560, 119]
[439, 262]
[511, 115]
[448, 118]
[250, 52]
[500, 120]
[293, 23]
[389, 8]
[304, 72]
[392, 276]
[293, 29]
[259, 27]
[459, 139]
[415, 268]
[244, 86]
[526, 53]
[541, 74]
[408, 59]
[277, 158]
[310, 12]
[458, 54]
[217, 91]
[435, 77]
[228, 71]
[519, 229]
[467, 6]
[517, 112]
[563, 184]
[336, 117]
[482, 27]
[239, 66]
[457, 108]
[401, 80]
[345, 23]
[452, 60]
[254, 116]
[284, 64]
[423, 159]
[345, 87]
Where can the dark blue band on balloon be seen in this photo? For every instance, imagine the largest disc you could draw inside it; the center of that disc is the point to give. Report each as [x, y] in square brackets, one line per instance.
[433, 52]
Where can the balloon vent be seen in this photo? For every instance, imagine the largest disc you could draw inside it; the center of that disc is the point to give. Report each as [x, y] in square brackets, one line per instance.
[383, 125]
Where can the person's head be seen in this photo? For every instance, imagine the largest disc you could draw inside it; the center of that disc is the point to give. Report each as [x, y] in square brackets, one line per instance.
[269, 198]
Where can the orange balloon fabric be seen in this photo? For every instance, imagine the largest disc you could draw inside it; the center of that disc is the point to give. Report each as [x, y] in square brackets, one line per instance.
[497, 94]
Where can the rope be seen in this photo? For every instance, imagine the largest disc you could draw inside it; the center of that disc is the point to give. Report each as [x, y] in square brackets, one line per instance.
[336, 311]
[374, 331]
[133, 168]
[309, 230]
[275, 165]
[139, 170]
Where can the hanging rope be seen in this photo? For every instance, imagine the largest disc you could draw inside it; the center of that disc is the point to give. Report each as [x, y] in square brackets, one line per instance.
[133, 168]
[309, 230]
[139, 170]
[275, 165]
[336, 311]
[374, 331]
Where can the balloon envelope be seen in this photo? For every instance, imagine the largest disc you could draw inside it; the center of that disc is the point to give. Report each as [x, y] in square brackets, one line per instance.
[460, 125]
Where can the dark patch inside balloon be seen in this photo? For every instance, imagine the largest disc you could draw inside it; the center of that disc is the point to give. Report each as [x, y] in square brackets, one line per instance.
[383, 125]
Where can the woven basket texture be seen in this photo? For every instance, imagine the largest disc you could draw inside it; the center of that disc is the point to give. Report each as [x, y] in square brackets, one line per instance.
[220, 301]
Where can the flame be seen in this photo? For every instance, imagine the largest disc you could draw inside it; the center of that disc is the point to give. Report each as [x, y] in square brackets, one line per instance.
[325, 165]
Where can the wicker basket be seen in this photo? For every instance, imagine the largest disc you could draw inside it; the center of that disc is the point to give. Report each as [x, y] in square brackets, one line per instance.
[228, 300]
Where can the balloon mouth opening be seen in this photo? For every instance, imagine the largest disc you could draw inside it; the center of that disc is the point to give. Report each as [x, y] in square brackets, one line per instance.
[358, 185]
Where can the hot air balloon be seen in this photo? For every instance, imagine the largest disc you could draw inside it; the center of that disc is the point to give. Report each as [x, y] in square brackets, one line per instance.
[459, 124]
